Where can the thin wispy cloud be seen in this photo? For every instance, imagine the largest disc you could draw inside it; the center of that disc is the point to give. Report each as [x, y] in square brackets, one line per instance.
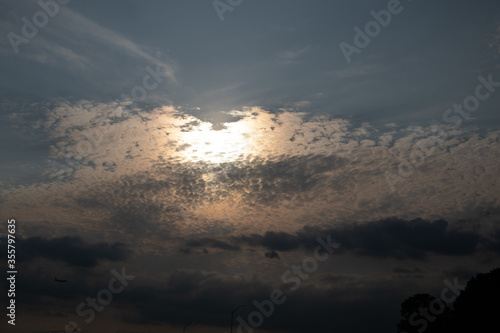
[291, 57]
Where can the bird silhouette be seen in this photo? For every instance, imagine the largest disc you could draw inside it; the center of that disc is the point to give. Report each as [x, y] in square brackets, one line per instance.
[57, 280]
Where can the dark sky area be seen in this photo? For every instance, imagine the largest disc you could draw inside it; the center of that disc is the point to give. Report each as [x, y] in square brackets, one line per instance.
[305, 166]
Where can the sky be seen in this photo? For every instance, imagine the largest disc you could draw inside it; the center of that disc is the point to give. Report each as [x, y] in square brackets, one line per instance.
[297, 166]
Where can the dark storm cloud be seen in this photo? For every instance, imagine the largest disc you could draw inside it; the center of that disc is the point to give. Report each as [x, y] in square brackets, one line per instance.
[495, 245]
[390, 238]
[191, 251]
[214, 243]
[271, 240]
[280, 241]
[272, 255]
[71, 250]
[406, 239]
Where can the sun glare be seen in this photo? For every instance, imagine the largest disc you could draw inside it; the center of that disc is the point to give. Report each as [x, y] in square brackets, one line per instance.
[203, 143]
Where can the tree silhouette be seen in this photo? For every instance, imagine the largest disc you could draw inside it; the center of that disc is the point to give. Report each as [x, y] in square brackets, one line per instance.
[476, 309]
[478, 306]
[420, 315]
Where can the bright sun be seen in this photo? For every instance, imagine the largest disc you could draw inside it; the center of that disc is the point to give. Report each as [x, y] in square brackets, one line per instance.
[203, 143]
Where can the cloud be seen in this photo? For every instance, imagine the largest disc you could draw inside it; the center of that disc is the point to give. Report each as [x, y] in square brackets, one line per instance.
[213, 243]
[495, 245]
[71, 250]
[127, 165]
[191, 251]
[406, 239]
[405, 273]
[210, 296]
[310, 308]
[281, 178]
[389, 238]
[136, 218]
[84, 26]
[290, 57]
[74, 46]
[280, 241]
[272, 255]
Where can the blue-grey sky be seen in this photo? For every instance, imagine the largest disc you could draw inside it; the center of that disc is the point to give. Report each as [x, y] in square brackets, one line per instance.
[206, 145]
[264, 53]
